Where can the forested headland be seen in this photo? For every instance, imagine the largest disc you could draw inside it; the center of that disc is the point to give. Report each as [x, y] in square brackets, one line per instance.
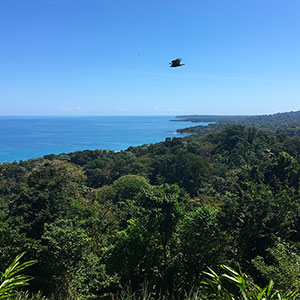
[273, 123]
[157, 216]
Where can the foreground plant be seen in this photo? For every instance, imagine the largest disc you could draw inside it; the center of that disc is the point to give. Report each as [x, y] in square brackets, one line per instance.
[25, 295]
[11, 280]
[233, 285]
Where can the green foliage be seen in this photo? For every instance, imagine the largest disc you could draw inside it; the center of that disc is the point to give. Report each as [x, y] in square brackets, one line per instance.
[283, 173]
[51, 191]
[65, 245]
[284, 268]
[133, 252]
[202, 243]
[25, 295]
[12, 243]
[100, 220]
[89, 280]
[11, 279]
[233, 285]
[143, 250]
[280, 122]
[124, 188]
[186, 169]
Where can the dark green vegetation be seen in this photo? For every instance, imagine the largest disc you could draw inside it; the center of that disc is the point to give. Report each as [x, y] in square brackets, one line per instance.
[99, 221]
[11, 279]
[276, 123]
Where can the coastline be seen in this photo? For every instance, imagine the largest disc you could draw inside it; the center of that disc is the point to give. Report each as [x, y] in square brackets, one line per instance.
[23, 138]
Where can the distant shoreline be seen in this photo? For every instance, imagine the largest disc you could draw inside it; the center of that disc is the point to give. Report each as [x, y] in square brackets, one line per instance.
[25, 137]
[270, 123]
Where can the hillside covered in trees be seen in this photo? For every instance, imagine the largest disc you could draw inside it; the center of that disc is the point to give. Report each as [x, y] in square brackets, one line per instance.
[99, 222]
[274, 123]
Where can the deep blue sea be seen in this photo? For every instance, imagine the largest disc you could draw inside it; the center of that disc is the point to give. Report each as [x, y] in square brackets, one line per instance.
[22, 138]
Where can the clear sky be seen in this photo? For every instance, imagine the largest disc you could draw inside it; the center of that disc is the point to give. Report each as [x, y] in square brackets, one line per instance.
[110, 57]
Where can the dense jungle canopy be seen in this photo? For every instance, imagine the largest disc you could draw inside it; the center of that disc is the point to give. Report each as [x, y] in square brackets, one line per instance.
[100, 221]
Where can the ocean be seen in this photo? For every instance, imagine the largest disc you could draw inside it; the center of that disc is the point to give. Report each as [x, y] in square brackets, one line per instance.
[24, 137]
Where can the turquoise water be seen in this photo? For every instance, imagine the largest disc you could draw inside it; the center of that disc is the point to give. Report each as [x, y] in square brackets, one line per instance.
[22, 138]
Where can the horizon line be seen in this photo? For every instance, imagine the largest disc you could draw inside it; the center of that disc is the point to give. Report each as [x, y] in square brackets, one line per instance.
[113, 115]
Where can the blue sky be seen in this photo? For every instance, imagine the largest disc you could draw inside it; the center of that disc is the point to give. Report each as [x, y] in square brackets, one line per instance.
[110, 57]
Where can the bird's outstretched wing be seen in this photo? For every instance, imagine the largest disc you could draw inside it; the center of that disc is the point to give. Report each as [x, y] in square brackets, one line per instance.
[175, 62]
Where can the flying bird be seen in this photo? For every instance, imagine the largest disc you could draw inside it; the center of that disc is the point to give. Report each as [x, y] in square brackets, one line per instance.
[176, 63]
